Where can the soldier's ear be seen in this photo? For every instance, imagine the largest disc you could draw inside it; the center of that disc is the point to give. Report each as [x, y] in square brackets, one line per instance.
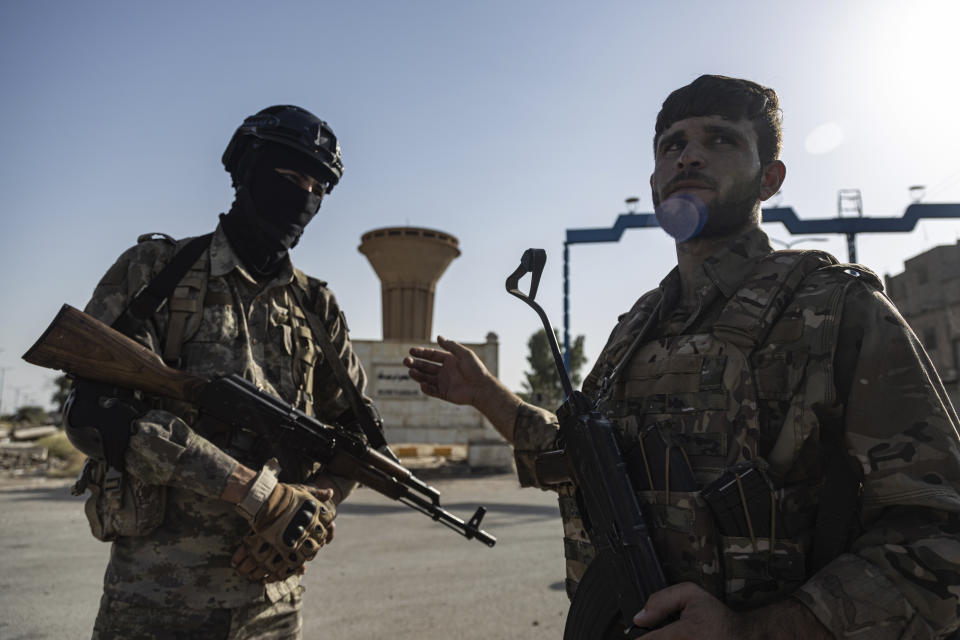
[771, 179]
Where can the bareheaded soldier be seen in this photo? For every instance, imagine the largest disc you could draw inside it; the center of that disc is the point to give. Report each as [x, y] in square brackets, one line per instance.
[817, 490]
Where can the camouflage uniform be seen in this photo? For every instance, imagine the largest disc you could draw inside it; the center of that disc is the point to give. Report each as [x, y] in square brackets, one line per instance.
[230, 324]
[746, 377]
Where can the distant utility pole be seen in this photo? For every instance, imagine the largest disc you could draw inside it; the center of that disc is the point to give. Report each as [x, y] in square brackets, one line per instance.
[3, 377]
[848, 200]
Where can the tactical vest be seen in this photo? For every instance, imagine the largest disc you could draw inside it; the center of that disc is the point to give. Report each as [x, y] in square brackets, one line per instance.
[122, 505]
[194, 293]
[747, 392]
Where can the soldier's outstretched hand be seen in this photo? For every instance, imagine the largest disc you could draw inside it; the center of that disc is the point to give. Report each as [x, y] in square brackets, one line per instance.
[454, 374]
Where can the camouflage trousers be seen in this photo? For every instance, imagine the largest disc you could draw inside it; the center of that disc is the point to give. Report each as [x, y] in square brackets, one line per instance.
[118, 620]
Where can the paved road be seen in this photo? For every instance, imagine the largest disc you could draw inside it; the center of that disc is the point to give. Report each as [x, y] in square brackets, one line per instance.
[390, 573]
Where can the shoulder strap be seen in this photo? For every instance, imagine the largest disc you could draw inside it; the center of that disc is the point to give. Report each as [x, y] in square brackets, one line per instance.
[747, 318]
[143, 305]
[641, 336]
[632, 328]
[836, 521]
[746, 321]
[185, 306]
[360, 409]
[151, 297]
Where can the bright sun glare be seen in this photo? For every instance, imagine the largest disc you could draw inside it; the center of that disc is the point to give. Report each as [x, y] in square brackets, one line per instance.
[914, 50]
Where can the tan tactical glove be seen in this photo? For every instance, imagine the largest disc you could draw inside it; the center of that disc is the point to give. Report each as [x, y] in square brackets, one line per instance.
[290, 522]
[259, 561]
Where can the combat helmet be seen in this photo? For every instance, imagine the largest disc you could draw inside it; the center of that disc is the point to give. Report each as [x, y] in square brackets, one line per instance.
[291, 127]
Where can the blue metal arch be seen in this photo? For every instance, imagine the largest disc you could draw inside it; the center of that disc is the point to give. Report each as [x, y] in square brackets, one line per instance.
[849, 226]
[788, 217]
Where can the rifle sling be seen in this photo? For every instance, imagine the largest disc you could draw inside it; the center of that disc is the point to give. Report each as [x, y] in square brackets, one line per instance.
[143, 305]
[150, 298]
[648, 326]
[357, 405]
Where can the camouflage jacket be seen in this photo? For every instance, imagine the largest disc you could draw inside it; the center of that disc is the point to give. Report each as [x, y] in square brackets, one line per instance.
[229, 324]
[837, 360]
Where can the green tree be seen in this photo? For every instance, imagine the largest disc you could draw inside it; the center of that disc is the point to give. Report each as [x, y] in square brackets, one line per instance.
[59, 396]
[31, 414]
[542, 384]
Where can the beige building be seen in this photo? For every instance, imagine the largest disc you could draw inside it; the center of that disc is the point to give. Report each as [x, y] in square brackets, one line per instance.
[409, 416]
[927, 294]
[409, 261]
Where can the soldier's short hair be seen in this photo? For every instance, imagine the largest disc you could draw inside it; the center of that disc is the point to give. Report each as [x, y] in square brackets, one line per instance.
[732, 98]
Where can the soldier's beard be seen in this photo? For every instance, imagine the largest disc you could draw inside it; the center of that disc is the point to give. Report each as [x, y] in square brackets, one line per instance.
[733, 210]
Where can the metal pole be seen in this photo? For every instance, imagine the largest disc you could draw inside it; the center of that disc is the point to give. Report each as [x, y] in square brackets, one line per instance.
[566, 306]
[851, 247]
[3, 377]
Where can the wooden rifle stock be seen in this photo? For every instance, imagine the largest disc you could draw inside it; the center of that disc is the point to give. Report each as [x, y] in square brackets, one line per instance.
[83, 346]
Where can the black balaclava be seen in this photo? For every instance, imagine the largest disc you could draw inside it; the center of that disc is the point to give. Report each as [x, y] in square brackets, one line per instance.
[270, 212]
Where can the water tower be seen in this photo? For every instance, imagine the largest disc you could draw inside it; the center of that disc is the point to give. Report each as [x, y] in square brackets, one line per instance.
[409, 261]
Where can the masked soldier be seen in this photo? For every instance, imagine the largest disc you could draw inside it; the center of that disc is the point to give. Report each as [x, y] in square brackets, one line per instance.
[785, 433]
[211, 524]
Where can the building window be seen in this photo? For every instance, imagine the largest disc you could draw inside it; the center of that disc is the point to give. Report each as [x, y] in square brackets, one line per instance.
[930, 339]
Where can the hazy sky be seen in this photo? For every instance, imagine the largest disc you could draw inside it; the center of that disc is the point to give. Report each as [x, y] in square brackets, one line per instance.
[503, 123]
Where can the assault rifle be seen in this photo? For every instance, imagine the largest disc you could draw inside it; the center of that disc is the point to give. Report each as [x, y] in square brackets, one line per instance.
[85, 347]
[626, 569]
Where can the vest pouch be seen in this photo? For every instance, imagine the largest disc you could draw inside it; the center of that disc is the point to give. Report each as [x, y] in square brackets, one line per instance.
[120, 504]
[755, 575]
[684, 536]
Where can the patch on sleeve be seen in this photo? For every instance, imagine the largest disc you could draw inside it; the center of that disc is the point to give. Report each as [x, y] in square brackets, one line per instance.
[856, 271]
